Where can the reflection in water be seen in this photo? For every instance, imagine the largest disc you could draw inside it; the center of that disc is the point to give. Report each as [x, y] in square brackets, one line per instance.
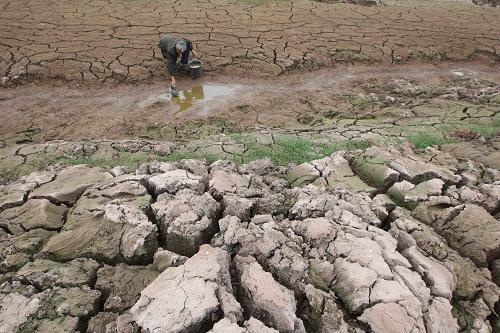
[188, 98]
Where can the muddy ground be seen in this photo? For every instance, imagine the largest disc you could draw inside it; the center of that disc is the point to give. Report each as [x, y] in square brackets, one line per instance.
[321, 99]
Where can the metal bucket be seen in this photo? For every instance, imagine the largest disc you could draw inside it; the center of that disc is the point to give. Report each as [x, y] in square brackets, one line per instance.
[195, 68]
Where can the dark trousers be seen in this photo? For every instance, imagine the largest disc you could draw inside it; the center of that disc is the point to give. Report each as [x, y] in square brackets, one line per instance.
[185, 57]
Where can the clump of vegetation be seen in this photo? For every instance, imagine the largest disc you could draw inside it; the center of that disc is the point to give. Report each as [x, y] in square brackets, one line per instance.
[282, 152]
[487, 131]
[292, 150]
[452, 134]
[422, 140]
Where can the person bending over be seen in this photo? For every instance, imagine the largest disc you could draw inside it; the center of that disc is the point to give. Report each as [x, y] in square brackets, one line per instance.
[173, 48]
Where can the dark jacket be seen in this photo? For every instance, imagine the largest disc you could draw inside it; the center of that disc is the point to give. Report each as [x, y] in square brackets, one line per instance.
[167, 46]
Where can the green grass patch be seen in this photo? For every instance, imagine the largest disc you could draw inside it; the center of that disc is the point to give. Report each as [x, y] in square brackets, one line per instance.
[283, 151]
[293, 150]
[487, 131]
[422, 140]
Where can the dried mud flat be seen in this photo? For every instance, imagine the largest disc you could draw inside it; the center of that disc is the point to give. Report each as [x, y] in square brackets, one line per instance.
[117, 40]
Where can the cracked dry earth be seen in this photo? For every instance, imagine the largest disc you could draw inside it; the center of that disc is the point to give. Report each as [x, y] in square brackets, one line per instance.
[378, 240]
[116, 40]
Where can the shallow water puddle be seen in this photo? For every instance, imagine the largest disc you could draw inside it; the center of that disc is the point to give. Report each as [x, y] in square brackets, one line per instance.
[196, 95]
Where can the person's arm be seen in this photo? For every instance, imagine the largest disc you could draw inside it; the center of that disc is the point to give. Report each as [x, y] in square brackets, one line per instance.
[190, 47]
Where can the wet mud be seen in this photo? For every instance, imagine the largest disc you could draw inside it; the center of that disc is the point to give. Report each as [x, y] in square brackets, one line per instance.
[125, 111]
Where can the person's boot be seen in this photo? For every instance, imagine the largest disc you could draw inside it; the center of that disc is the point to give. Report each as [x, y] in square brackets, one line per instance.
[174, 92]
